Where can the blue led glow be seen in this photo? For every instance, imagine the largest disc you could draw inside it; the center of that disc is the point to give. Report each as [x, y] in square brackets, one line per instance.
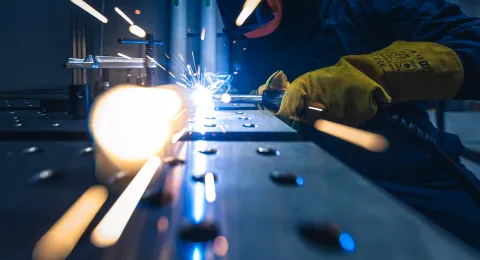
[299, 181]
[347, 242]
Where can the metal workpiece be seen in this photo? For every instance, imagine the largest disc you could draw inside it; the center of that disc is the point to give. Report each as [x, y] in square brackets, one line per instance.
[149, 65]
[239, 125]
[41, 125]
[299, 204]
[38, 188]
[235, 98]
[107, 62]
[235, 106]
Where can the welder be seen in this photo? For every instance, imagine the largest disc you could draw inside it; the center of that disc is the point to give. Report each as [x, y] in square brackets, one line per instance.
[355, 58]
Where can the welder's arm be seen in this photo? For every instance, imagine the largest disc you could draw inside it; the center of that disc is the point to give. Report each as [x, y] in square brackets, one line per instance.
[435, 21]
[352, 91]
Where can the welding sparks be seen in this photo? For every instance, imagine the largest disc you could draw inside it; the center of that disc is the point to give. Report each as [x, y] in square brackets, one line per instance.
[210, 194]
[62, 237]
[124, 56]
[171, 74]
[90, 10]
[112, 225]
[136, 30]
[202, 36]
[154, 61]
[369, 141]
[181, 57]
[247, 10]
[316, 109]
[122, 14]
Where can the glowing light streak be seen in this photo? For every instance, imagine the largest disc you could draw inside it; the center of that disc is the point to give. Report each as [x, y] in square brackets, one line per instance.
[181, 57]
[223, 129]
[112, 225]
[136, 30]
[189, 70]
[248, 9]
[90, 10]
[369, 141]
[210, 193]
[124, 56]
[171, 74]
[123, 15]
[317, 109]
[193, 58]
[62, 237]
[154, 61]
[202, 36]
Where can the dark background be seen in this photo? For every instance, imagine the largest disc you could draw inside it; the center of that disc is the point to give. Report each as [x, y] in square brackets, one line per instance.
[37, 38]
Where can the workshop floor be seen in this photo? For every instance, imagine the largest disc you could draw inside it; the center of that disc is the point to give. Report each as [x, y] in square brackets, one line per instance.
[467, 126]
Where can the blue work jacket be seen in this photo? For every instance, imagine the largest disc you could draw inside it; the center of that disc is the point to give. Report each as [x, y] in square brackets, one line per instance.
[316, 34]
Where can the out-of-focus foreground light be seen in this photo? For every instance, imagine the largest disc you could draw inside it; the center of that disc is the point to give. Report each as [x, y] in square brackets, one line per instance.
[112, 225]
[247, 10]
[136, 30]
[62, 237]
[220, 246]
[226, 98]
[131, 124]
[369, 141]
[90, 10]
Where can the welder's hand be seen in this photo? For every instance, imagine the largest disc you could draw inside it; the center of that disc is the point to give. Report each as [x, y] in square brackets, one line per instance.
[351, 91]
[277, 80]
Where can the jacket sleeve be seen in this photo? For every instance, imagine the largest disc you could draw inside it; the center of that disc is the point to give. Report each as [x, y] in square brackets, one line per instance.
[435, 21]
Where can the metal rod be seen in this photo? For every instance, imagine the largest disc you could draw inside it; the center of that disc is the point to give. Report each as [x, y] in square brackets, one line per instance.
[237, 98]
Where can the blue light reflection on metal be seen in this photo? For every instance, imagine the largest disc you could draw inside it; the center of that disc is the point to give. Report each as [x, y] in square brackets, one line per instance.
[198, 202]
[347, 242]
[196, 195]
[300, 181]
[197, 253]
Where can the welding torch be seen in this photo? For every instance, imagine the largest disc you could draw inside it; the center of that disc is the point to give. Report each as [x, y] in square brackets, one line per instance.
[270, 99]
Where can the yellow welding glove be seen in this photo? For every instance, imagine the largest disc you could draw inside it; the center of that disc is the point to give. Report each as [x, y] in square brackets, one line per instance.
[351, 91]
